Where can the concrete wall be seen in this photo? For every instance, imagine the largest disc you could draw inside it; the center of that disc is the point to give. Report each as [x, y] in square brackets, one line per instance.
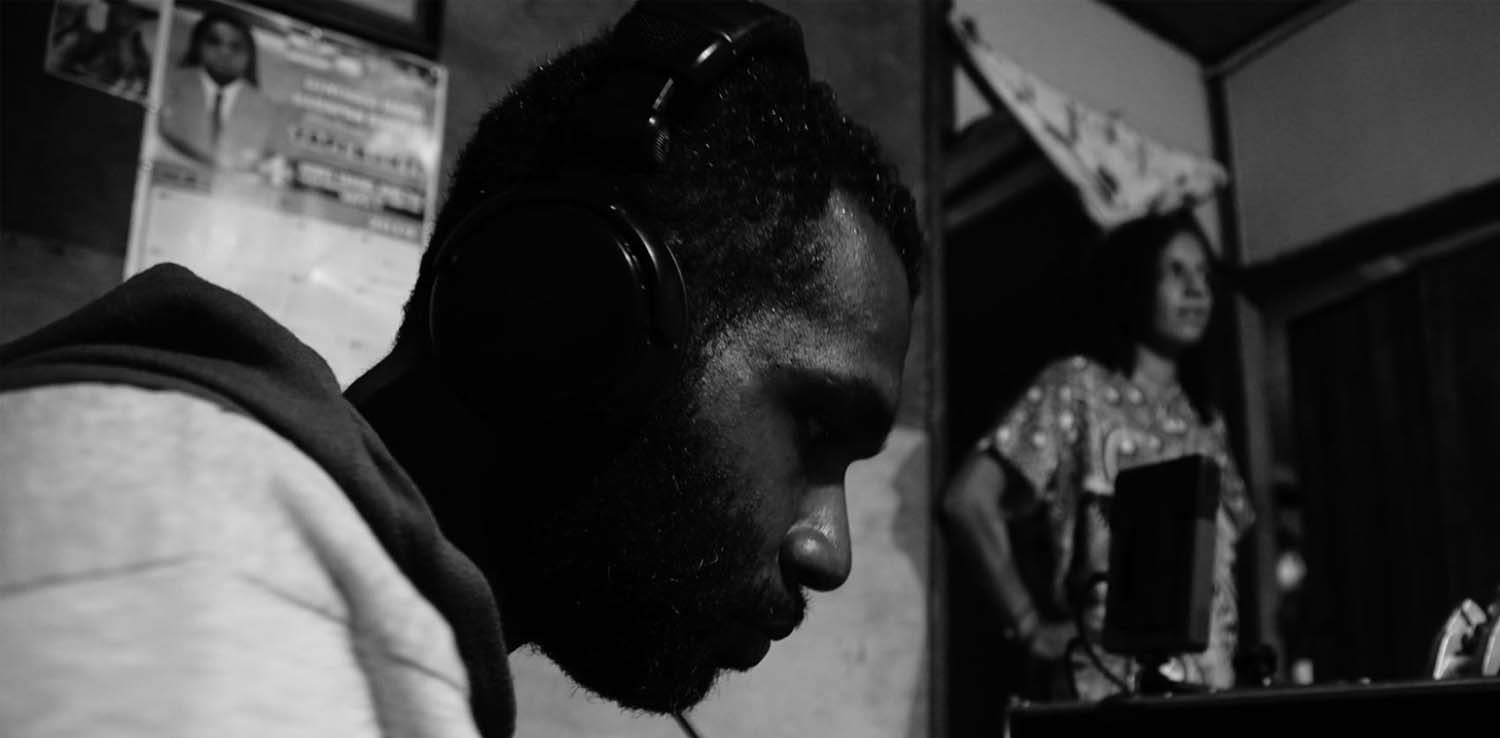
[1374, 109]
[69, 158]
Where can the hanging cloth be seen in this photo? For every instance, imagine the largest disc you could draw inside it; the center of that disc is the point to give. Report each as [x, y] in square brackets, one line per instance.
[1120, 174]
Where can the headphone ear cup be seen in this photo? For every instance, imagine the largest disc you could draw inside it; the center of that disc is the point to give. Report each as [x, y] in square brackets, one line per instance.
[555, 316]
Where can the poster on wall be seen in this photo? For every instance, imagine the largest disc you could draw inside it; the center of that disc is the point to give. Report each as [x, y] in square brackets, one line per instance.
[293, 165]
[104, 44]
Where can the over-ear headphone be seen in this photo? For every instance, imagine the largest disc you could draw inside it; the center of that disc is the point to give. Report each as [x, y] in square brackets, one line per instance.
[556, 304]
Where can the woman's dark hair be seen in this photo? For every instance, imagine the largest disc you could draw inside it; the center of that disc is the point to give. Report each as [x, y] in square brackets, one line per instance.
[194, 55]
[1125, 272]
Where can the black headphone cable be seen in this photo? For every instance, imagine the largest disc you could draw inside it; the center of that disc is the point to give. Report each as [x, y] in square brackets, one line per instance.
[686, 726]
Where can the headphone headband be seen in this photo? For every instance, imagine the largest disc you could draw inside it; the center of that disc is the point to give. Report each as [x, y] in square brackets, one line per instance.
[664, 51]
[696, 42]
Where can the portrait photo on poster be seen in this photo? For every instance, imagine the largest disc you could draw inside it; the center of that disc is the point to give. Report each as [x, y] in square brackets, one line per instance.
[104, 44]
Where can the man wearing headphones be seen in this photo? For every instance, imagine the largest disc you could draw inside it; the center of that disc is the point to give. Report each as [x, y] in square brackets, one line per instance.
[665, 306]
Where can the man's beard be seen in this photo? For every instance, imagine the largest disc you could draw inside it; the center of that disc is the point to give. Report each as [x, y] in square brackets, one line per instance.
[637, 582]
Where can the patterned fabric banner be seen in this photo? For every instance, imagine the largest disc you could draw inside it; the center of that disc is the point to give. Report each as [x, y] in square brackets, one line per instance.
[1120, 174]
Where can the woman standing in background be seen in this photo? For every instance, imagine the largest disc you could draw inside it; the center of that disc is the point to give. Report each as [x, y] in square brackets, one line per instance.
[1141, 397]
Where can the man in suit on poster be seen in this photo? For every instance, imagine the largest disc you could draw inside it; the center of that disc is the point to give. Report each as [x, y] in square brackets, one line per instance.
[213, 111]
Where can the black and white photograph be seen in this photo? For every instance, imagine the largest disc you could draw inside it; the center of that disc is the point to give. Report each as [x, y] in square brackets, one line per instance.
[104, 44]
[749, 368]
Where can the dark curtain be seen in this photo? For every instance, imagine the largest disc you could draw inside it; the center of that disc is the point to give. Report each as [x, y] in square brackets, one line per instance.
[1397, 403]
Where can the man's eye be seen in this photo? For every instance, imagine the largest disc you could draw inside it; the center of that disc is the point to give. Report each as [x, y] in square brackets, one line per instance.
[814, 430]
[820, 448]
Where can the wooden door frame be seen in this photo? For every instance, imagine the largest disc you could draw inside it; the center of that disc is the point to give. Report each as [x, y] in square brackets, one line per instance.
[937, 125]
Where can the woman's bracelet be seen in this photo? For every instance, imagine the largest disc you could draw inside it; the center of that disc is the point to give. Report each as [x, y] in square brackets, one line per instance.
[1024, 626]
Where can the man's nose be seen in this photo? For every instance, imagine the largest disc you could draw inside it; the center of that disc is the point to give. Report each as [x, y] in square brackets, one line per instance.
[816, 552]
